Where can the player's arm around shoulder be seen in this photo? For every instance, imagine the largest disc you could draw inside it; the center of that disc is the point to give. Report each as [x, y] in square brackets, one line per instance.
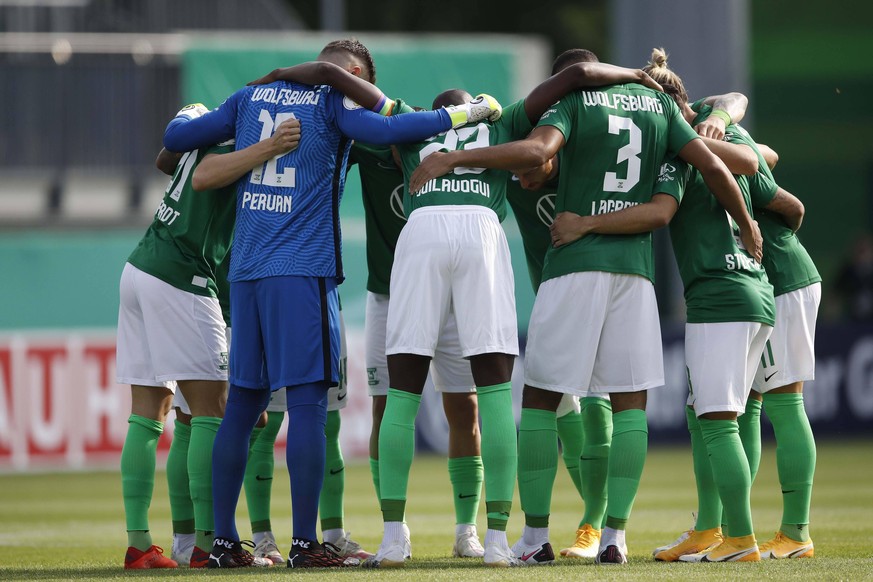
[219, 170]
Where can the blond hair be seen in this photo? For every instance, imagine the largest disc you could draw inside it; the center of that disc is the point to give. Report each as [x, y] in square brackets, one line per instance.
[657, 70]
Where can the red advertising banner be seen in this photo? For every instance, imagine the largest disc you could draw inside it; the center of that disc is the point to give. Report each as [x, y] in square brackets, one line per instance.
[60, 408]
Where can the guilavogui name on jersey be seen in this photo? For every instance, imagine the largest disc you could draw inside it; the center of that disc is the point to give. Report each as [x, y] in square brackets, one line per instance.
[285, 96]
[471, 186]
[621, 101]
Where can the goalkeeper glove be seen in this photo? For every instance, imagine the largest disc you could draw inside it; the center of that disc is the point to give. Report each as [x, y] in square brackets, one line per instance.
[192, 111]
[481, 108]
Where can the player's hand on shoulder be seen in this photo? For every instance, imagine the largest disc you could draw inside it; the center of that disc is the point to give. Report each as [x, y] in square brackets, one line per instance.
[712, 127]
[649, 82]
[753, 241]
[569, 227]
[287, 136]
[433, 166]
[482, 107]
[270, 77]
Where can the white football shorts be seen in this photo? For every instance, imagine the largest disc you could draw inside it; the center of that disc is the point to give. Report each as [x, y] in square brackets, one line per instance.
[595, 333]
[789, 355]
[452, 258]
[721, 360]
[450, 372]
[166, 334]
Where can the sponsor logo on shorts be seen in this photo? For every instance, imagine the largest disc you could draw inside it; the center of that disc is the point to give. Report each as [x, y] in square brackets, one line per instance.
[372, 378]
[767, 378]
[222, 361]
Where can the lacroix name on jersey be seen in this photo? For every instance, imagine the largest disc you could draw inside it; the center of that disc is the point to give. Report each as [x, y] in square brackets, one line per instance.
[605, 206]
[269, 202]
[285, 96]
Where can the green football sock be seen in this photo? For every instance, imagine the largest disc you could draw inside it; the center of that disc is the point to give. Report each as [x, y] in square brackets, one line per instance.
[750, 435]
[374, 473]
[259, 473]
[499, 451]
[138, 477]
[537, 464]
[795, 460]
[203, 431]
[570, 434]
[396, 450]
[594, 460]
[730, 470]
[709, 508]
[627, 457]
[330, 504]
[466, 475]
[181, 508]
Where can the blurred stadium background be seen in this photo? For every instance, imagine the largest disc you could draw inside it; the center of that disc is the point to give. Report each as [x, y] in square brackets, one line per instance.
[87, 86]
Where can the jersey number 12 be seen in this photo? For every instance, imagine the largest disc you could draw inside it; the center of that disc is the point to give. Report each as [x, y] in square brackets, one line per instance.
[268, 174]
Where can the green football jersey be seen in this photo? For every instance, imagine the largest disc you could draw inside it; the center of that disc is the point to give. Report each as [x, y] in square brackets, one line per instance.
[788, 264]
[191, 233]
[615, 140]
[534, 212]
[722, 281]
[382, 187]
[466, 186]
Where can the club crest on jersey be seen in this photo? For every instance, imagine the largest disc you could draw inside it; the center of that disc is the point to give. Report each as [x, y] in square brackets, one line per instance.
[349, 104]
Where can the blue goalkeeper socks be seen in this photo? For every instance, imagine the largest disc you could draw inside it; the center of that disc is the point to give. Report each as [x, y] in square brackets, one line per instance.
[229, 454]
[305, 453]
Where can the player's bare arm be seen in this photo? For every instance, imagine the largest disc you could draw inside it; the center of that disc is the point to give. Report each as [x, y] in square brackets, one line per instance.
[739, 158]
[323, 73]
[769, 154]
[536, 149]
[733, 105]
[569, 227]
[218, 170]
[167, 161]
[576, 77]
[789, 207]
[722, 185]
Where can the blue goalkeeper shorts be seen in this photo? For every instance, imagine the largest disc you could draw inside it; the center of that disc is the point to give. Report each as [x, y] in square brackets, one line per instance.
[285, 329]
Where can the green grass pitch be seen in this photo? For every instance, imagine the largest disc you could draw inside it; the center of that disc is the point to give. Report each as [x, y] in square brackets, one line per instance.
[71, 526]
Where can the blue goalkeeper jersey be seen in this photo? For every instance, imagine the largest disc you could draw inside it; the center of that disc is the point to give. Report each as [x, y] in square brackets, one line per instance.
[287, 220]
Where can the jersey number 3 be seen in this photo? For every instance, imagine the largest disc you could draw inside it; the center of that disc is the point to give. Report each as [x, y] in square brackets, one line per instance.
[629, 153]
[268, 174]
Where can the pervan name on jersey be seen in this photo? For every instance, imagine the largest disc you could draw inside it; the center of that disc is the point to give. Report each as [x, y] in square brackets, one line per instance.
[471, 186]
[285, 96]
[738, 261]
[610, 206]
[270, 202]
[621, 101]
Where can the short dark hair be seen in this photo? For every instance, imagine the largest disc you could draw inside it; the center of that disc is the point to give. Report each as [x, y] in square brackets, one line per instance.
[571, 57]
[356, 48]
[450, 97]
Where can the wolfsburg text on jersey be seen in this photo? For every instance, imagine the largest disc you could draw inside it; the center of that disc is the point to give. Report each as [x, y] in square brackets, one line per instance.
[285, 96]
[620, 101]
[270, 202]
[469, 185]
